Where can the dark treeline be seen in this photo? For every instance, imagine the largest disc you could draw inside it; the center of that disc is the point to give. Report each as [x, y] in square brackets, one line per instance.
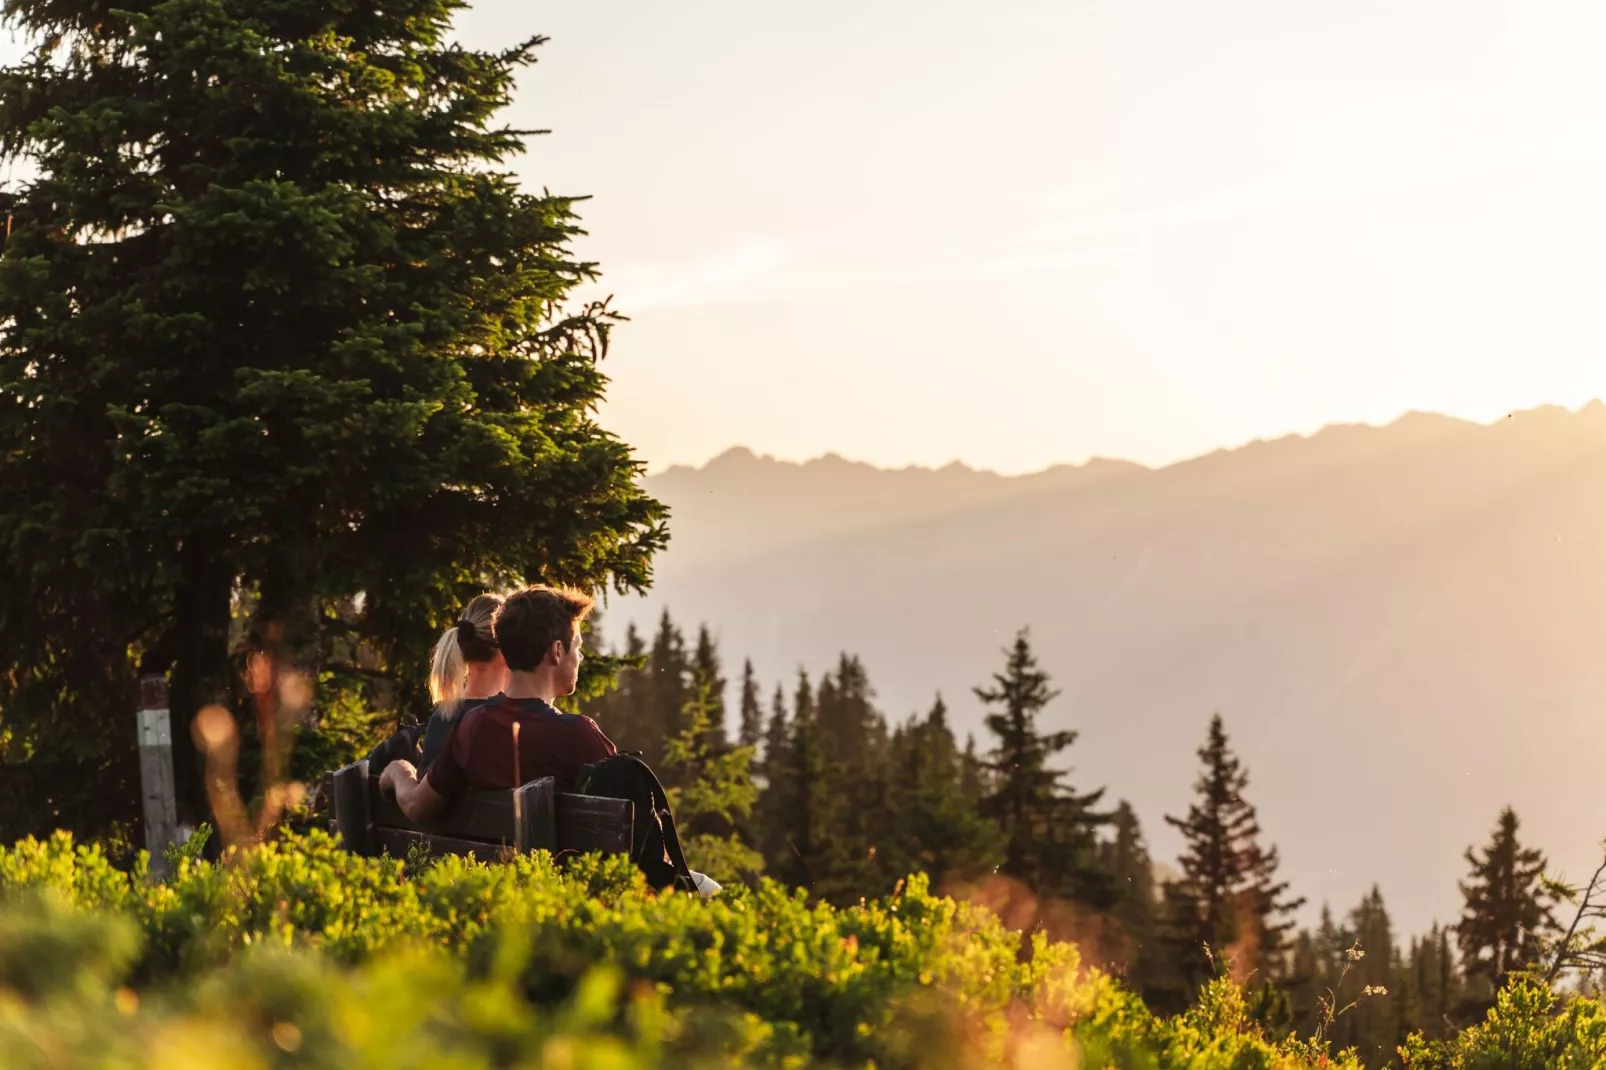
[808, 782]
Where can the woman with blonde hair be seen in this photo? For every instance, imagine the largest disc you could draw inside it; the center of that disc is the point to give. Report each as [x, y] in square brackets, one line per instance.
[465, 669]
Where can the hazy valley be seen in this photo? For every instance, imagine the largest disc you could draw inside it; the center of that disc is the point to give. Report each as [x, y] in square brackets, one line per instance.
[1403, 626]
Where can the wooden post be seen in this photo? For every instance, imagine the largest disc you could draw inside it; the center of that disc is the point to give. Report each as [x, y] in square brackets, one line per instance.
[156, 769]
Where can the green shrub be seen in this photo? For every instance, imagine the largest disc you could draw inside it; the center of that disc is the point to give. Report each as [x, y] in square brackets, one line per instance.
[1529, 1028]
[300, 954]
[764, 970]
[276, 1007]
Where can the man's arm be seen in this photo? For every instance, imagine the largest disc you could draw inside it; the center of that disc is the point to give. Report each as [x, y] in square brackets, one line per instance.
[416, 798]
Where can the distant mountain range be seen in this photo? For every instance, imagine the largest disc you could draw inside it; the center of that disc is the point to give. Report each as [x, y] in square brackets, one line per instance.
[1404, 626]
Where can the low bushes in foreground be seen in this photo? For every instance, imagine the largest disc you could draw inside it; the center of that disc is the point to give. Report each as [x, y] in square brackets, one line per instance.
[300, 954]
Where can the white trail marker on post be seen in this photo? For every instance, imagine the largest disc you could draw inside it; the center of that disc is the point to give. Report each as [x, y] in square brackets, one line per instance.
[156, 769]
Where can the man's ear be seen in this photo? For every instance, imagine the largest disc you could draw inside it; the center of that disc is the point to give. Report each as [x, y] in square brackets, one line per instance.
[554, 653]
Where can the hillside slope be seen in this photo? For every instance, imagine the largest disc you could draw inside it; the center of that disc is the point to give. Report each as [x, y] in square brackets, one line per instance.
[1405, 627]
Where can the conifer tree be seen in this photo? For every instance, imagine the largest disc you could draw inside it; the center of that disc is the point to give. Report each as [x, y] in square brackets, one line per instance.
[279, 334]
[705, 675]
[1354, 985]
[602, 669]
[713, 793]
[822, 707]
[1229, 898]
[807, 810]
[1508, 911]
[702, 690]
[1370, 1025]
[804, 706]
[974, 782]
[1451, 988]
[848, 719]
[1429, 980]
[1405, 995]
[1434, 986]
[853, 738]
[1332, 942]
[1329, 974]
[1402, 1006]
[1049, 831]
[1125, 858]
[667, 686]
[777, 734]
[934, 828]
[1306, 980]
[619, 709]
[752, 712]
[770, 813]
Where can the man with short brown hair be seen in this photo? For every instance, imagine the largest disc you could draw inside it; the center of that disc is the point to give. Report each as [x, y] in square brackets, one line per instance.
[540, 621]
[538, 631]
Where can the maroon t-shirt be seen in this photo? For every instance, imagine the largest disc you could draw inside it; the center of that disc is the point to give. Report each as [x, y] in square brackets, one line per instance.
[479, 752]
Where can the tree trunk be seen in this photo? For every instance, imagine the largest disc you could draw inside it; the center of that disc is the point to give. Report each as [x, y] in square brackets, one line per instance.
[200, 665]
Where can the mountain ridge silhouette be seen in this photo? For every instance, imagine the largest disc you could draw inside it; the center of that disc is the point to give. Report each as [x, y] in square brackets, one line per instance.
[1402, 624]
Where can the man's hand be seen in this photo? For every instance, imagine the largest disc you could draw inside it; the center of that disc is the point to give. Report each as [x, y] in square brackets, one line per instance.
[400, 769]
[416, 798]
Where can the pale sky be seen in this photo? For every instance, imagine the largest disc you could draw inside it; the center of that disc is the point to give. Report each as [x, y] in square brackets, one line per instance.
[1031, 231]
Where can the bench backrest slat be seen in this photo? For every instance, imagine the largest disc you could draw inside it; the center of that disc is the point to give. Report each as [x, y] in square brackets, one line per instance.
[482, 823]
[594, 823]
[353, 819]
[475, 815]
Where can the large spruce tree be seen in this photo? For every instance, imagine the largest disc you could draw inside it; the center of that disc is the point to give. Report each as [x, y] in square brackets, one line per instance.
[1229, 899]
[278, 334]
[1049, 831]
[1508, 911]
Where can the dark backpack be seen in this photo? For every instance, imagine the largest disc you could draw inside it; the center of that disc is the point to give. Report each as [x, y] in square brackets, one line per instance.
[406, 742]
[656, 845]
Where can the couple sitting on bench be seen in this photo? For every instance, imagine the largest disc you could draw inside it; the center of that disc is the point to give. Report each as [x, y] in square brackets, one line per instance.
[528, 649]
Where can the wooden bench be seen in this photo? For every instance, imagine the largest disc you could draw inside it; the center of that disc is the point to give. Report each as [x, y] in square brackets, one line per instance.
[483, 823]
